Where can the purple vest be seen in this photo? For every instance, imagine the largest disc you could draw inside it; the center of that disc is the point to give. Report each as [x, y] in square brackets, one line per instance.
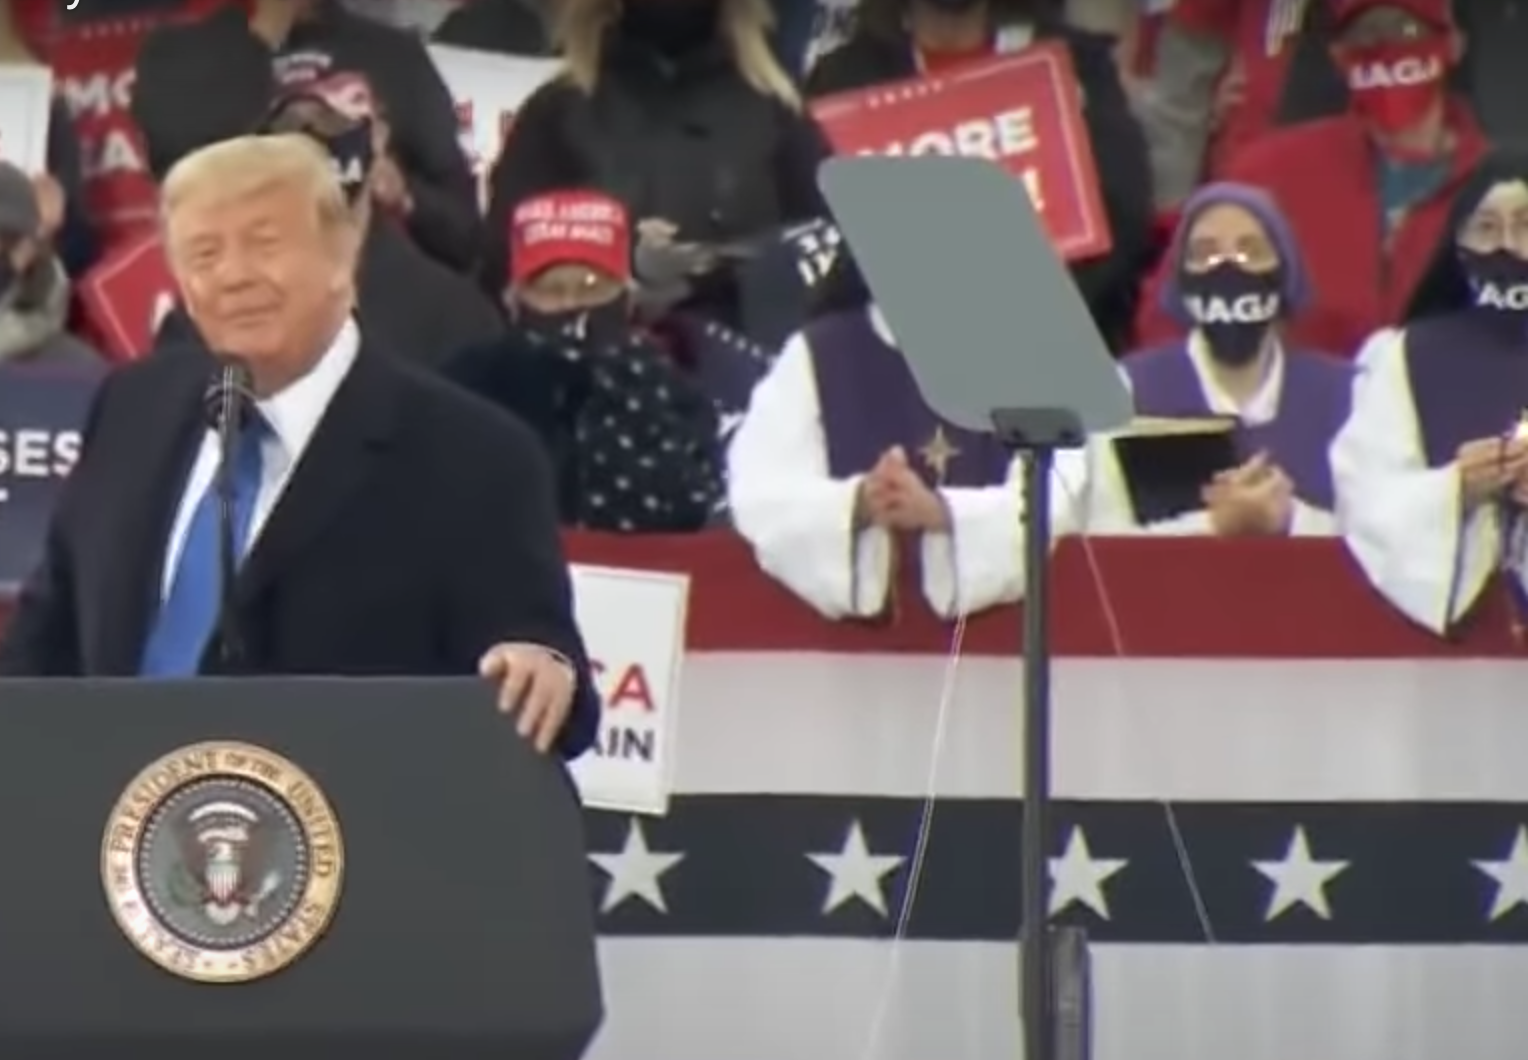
[1469, 379]
[1313, 405]
[870, 402]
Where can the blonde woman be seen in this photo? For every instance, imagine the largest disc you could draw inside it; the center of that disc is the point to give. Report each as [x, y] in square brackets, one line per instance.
[679, 109]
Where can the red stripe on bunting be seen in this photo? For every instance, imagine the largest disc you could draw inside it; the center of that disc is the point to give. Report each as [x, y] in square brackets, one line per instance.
[1172, 598]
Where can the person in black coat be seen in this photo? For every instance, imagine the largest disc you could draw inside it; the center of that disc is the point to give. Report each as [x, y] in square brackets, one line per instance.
[679, 109]
[390, 523]
[426, 180]
[633, 437]
[421, 307]
[899, 39]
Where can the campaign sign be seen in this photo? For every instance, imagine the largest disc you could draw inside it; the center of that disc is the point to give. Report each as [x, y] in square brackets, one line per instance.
[41, 416]
[26, 103]
[1022, 111]
[92, 50]
[633, 622]
[126, 296]
[488, 89]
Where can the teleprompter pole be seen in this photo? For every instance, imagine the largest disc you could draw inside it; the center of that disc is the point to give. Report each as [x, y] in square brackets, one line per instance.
[1034, 436]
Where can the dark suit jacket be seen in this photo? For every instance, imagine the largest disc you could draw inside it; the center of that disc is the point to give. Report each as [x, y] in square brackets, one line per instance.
[418, 529]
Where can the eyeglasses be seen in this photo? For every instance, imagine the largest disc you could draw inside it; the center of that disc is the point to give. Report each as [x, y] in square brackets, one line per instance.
[1384, 26]
[1489, 231]
[1255, 257]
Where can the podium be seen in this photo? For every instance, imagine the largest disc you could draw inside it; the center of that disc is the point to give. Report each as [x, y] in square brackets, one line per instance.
[243, 868]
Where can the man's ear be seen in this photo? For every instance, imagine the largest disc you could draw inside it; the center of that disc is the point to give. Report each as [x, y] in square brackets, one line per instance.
[349, 238]
[1456, 46]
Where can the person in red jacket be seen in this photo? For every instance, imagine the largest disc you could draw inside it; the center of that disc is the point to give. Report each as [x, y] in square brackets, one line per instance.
[1219, 69]
[1367, 192]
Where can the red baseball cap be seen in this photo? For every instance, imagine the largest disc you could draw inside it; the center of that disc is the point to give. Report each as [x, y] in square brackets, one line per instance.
[570, 228]
[1434, 12]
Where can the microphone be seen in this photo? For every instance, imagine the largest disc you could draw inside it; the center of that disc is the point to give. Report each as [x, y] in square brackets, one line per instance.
[227, 404]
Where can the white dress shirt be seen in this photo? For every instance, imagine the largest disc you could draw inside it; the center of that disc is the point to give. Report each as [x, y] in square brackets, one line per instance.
[799, 519]
[1403, 520]
[293, 414]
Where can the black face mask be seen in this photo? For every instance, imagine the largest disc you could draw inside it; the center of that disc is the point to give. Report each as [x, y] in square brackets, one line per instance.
[1233, 309]
[1500, 280]
[674, 27]
[598, 326]
[353, 153]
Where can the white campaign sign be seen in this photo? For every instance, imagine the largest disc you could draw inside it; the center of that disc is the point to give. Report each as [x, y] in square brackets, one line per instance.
[488, 89]
[26, 101]
[633, 623]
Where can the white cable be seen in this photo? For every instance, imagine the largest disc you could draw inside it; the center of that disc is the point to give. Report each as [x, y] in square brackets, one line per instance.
[1117, 642]
[887, 991]
[920, 846]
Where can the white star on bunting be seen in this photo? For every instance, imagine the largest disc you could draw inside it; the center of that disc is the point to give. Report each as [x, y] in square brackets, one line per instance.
[1511, 876]
[635, 872]
[1077, 876]
[1299, 879]
[856, 873]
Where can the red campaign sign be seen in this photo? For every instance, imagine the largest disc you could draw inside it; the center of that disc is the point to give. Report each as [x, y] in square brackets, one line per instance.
[1023, 111]
[125, 297]
[93, 71]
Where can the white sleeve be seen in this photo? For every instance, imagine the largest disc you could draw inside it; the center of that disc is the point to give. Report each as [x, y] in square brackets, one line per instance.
[980, 563]
[798, 518]
[1310, 521]
[1402, 520]
[1108, 507]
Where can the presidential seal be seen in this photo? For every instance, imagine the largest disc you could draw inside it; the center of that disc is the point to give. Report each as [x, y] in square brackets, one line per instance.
[222, 862]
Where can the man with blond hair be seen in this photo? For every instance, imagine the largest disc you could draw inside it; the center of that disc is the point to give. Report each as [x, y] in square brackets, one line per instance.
[388, 523]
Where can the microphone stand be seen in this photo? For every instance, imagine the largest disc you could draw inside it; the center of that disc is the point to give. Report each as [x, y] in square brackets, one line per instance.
[230, 394]
[1034, 436]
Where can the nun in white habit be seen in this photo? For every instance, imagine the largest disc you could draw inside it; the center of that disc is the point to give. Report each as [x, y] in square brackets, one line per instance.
[840, 472]
[1432, 467]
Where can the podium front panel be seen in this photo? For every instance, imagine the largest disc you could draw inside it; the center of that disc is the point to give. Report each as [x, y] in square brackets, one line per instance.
[258, 864]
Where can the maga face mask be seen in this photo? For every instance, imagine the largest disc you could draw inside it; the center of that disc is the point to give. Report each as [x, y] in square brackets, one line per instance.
[1233, 308]
[353, 153]
[1499, 279]
[1395, 86]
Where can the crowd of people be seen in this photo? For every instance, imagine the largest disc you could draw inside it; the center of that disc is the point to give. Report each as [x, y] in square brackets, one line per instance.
[1316, 280]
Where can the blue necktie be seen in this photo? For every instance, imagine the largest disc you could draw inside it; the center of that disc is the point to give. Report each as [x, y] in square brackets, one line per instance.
[189, 613]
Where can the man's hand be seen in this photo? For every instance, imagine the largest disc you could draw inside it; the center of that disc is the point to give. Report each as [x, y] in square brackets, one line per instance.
[50, 205]
[1487, 466]
[535, 684]
[892, 495]
[1256, 498]
[1230, 94]
[389, 188]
